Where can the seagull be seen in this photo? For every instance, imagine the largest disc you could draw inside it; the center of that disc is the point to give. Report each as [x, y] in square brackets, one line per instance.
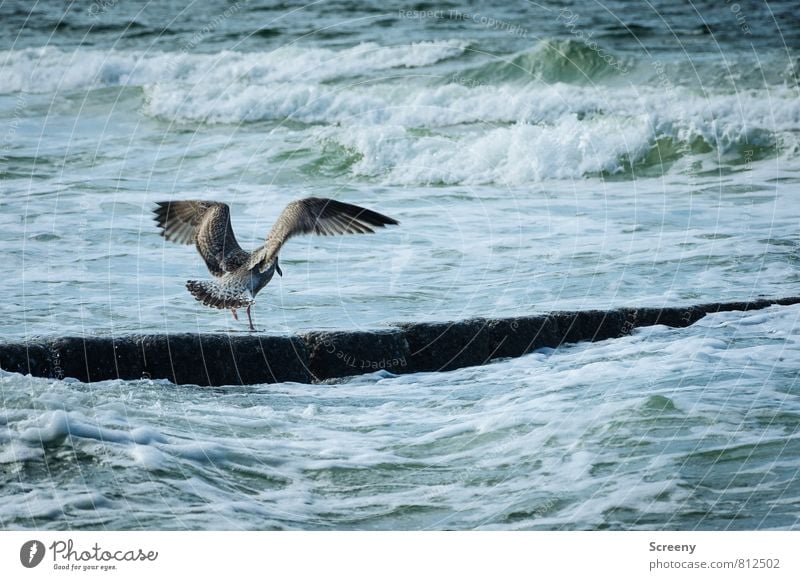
[238, 274]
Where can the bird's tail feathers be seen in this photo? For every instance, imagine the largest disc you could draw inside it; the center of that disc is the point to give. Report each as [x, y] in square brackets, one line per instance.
[212, 294]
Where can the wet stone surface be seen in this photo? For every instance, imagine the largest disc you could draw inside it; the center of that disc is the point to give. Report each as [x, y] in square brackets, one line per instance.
[221, 359]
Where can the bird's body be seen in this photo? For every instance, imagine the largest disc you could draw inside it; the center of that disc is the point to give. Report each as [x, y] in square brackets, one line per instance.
[240, 275]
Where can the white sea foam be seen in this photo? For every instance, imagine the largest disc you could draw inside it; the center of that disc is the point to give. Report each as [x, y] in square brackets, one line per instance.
[150, 458]
[18, 452]
[508, 134]
[720, 118]
[518, 154]
[605, 434]
[50, 69]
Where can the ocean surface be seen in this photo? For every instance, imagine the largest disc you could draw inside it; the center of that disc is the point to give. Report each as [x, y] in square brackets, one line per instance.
[539, 156]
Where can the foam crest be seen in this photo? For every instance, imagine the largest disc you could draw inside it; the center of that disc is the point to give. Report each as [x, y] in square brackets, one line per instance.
[504, 133]
[718, 117]
[49, 69]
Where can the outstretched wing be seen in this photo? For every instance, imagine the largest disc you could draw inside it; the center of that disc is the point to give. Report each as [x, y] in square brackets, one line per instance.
[326, 217]
[207, 224]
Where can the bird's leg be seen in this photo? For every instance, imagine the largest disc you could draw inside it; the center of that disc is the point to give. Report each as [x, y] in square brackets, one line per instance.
[235, 316]
[250, 318]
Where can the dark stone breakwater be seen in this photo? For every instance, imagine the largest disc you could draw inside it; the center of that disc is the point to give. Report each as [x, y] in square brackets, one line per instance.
[223, 359]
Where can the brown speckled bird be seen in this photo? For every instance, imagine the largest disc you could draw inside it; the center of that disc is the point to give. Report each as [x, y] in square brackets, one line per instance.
[239, 274]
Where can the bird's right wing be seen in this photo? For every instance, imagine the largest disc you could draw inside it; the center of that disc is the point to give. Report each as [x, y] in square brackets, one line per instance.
[207, 224]
[326, 217]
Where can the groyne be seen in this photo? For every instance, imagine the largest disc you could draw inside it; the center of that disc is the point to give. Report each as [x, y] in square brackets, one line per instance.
[227, 359]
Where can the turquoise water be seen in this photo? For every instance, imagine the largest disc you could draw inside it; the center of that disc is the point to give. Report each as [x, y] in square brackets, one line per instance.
[538, 156]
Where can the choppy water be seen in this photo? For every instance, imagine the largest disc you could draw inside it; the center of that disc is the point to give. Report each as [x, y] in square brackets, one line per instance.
[539, 156]
[683, 429]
